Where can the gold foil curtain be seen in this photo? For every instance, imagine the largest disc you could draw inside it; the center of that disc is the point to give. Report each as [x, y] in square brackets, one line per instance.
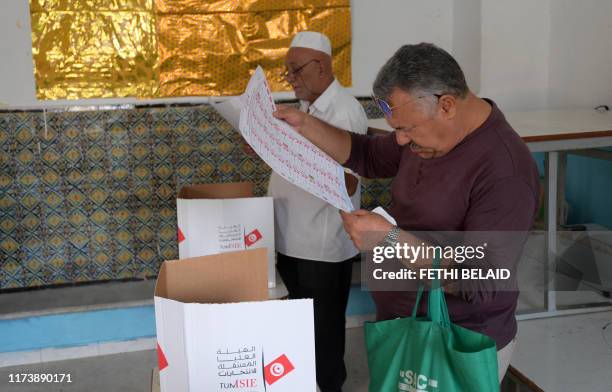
[94, 48]
[164, 48]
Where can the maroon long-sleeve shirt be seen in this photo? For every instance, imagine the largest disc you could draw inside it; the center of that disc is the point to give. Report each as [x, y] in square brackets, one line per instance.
[488, 182]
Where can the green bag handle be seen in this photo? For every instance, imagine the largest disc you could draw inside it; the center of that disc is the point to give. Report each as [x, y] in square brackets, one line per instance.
[437, 310]
[418, 300]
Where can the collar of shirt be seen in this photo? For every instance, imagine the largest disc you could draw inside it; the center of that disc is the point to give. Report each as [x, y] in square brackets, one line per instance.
[322, 103]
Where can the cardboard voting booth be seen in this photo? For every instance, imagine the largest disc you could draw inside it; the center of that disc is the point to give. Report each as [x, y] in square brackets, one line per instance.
[216, 218]
[217, 332]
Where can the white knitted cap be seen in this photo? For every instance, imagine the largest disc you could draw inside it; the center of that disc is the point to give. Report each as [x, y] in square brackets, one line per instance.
[312, 40]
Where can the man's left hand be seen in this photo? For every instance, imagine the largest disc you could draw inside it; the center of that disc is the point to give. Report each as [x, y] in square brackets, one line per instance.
[366, 229]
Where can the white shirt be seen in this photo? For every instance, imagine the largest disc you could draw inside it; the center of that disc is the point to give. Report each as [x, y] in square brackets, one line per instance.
[307, 227]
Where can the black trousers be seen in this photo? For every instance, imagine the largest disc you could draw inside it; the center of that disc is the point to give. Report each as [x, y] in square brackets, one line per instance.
[328, 285]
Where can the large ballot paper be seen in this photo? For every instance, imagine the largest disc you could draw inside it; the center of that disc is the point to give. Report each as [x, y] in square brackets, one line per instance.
[229, 109]
[288, 153]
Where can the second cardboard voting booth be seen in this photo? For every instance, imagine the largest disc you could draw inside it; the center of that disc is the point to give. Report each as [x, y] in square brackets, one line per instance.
[216, 218]
[217, 331]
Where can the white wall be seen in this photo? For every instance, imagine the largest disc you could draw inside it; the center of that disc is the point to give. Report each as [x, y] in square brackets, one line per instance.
[467, 40]
[581, 53]
[16, 67]
[514, 54]
[380, 27]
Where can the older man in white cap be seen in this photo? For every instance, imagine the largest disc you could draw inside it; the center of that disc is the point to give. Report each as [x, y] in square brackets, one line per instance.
[314, 252]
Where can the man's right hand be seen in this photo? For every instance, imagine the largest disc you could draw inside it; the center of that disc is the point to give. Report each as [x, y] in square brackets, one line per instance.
[291, 116]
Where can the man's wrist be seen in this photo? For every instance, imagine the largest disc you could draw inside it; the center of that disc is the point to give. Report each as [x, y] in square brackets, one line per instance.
[308, 126]
[392, 236]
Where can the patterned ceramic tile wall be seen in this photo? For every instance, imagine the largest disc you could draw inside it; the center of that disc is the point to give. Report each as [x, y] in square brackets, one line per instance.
[91, 195]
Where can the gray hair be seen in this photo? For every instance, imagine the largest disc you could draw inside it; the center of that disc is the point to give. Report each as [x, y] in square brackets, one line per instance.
[422, 69]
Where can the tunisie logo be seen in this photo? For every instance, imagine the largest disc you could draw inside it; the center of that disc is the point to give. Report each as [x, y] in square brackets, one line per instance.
[277, 369]
[252, 237]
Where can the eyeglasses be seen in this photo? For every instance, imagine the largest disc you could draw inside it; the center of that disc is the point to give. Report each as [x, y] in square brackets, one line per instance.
[388, 110]
[296, 71]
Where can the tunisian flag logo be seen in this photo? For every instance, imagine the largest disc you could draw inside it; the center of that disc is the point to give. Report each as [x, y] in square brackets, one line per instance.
[277, 369]
[252, 237]
[162, 363]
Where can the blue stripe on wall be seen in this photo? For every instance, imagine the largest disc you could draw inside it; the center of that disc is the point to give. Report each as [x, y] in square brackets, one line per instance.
[83, 328]
[77, 329]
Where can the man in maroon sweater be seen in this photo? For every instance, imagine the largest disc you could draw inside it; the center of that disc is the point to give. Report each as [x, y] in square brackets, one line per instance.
[457, 166]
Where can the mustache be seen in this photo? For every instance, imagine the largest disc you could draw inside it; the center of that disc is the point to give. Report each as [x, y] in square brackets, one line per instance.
[417, 148]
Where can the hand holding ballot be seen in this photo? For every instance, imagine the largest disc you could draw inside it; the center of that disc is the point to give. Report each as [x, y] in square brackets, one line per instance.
[365, 228]
[288, 153]
[296, 118]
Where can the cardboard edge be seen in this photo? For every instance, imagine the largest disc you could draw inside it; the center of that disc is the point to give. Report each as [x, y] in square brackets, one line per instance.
[161, 289]
[259, 255]
[228, 190]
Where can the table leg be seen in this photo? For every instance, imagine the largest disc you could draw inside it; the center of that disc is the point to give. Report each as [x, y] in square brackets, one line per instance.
[561, 204]
[552, 172]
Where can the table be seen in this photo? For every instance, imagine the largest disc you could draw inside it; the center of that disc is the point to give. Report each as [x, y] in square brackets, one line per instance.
[570, 353]
[555, 133]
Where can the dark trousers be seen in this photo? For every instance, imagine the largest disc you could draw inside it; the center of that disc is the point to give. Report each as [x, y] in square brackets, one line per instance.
[328, 285]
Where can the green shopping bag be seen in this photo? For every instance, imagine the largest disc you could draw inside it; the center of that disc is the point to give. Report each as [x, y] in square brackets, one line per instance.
[429, 354]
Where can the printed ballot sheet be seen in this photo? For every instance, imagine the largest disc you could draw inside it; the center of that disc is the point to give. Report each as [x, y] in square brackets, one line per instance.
[229, 110]
[288, 153]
